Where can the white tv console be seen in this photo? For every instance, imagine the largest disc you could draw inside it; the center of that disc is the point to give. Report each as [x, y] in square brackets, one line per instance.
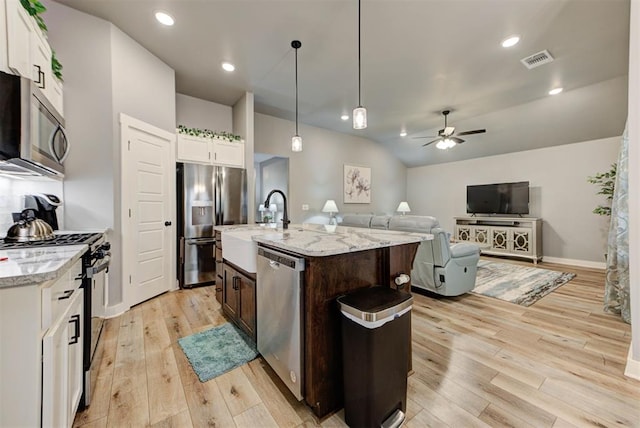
[504, 236]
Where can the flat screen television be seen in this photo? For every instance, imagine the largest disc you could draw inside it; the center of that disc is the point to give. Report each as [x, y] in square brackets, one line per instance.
[499, 198]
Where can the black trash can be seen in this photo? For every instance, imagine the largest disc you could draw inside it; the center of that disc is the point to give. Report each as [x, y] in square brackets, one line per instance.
[376, 330]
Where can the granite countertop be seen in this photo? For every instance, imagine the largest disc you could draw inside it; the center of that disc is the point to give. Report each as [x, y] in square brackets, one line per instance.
[319, 240]
[32, 266]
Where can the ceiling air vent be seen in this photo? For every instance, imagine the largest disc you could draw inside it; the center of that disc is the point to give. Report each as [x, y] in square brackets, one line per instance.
[537, 59]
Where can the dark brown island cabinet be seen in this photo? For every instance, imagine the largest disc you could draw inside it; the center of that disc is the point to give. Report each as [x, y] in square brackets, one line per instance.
[239, 298]
[327, 278]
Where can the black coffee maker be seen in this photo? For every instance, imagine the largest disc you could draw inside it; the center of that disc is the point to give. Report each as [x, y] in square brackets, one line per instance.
[45, 206]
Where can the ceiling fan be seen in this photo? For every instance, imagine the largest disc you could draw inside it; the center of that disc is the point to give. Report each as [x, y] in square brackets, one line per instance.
[445, 138]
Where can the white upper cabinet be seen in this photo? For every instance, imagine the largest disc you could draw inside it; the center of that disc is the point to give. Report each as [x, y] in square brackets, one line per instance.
[193, 149]
[228, 153]
[210, 151]
[28, 51]
[19, 28]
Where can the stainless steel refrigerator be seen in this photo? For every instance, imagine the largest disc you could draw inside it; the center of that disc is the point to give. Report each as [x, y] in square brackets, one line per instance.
[207, 196]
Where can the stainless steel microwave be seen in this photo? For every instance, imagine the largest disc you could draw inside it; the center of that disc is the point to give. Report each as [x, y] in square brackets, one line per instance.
[32, 135]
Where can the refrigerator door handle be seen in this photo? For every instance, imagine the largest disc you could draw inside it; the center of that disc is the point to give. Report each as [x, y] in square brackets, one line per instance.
[181, 249]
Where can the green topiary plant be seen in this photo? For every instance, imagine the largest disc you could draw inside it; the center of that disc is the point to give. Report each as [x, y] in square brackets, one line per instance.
[56, 67]
[35, 9]
[207, 133]
[607, 182]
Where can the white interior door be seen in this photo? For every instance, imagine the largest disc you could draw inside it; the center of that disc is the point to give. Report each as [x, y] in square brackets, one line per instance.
[148, 177]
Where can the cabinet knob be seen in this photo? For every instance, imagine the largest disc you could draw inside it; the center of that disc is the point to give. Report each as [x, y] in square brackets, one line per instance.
[167, 223]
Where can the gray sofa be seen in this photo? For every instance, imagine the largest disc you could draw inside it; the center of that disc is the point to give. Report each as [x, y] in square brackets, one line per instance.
[439, 267]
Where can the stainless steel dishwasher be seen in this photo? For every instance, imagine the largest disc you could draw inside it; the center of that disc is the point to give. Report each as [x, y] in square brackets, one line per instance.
[279, 311]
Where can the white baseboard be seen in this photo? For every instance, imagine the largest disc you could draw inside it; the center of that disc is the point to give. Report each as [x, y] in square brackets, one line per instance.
[575, 262]
[116, 310]
[633, 366]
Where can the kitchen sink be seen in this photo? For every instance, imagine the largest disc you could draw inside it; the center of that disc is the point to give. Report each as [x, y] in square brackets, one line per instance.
[238, 247]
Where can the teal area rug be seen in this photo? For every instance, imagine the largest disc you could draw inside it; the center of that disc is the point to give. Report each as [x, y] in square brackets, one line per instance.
[217, 350]
[517, 284]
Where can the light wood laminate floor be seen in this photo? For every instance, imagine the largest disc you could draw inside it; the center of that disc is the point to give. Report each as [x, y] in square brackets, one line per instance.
[477, 362]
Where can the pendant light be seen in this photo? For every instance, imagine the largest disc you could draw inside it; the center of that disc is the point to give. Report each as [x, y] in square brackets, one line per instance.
[296, 140]
[359, 113]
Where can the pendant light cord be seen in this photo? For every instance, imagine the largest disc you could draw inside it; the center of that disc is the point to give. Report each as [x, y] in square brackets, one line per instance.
[296, 91]
[359, 67]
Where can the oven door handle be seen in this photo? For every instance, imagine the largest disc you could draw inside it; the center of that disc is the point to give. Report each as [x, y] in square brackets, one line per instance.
[93, 270]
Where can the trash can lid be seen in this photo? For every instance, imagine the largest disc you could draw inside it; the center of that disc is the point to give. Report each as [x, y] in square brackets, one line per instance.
[375, 303]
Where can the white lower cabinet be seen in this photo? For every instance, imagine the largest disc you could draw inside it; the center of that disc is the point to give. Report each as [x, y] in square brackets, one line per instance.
[41, 348]
[62, 366]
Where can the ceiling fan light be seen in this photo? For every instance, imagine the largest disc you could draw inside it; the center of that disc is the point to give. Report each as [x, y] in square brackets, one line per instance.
[442, 145]
[296, 143]
[359, 118]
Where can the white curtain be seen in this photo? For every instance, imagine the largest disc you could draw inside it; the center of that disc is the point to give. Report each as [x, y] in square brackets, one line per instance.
[616, 290]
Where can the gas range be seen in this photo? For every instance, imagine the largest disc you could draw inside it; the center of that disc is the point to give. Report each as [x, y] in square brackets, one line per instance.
[91, 239]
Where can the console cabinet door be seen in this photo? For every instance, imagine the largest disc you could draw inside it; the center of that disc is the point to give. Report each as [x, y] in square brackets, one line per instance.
[521, 240]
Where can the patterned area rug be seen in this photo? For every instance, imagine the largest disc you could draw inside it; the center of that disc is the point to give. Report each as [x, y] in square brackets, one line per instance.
[517, 284]
[217, 350]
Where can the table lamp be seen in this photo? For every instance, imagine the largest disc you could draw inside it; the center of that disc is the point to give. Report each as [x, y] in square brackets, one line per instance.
[331, 208]
[403, 208]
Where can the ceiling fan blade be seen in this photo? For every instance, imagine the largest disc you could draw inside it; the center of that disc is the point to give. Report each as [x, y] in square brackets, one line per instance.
[431, 142]
[426, 136]
[477, 131]
[457, 140]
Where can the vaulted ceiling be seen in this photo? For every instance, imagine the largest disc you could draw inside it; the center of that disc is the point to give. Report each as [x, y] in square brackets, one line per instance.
[419, 57]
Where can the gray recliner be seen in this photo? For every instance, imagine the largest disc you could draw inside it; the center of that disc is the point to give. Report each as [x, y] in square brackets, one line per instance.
[443, 268]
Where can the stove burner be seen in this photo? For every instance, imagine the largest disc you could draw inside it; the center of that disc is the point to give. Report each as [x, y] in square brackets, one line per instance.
[65, 239]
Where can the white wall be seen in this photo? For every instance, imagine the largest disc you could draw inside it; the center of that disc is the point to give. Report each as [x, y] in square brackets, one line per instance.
[106, 73]
[560, 193]
[196, 113]
[243, 125]
[83, 46]
[316, 173]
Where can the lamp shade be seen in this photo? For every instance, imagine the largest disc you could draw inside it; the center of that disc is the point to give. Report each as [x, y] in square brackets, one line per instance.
[261, 207]
[359, 118]
[296, 143]
[403, 207]
[330, 206]
[273, 207]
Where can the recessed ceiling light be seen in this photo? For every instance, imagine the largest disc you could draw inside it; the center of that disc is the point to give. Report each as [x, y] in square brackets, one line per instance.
[227, 66]
[164, 18]
[344, 117]
[403, 133]
[510, 41]
[555, 91]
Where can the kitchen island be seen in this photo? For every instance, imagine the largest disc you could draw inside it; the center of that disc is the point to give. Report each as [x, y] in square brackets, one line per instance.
[337, 260]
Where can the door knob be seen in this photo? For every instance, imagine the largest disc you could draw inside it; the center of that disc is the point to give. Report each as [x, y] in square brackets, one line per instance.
[167, 223]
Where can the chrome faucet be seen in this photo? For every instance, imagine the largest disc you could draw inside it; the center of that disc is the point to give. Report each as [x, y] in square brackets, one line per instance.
[285, 218]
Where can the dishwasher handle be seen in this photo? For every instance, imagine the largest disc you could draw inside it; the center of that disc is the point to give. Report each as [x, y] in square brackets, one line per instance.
[281, 260]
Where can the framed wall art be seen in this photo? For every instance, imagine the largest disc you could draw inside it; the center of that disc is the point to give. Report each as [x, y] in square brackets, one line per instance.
[357, 184]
